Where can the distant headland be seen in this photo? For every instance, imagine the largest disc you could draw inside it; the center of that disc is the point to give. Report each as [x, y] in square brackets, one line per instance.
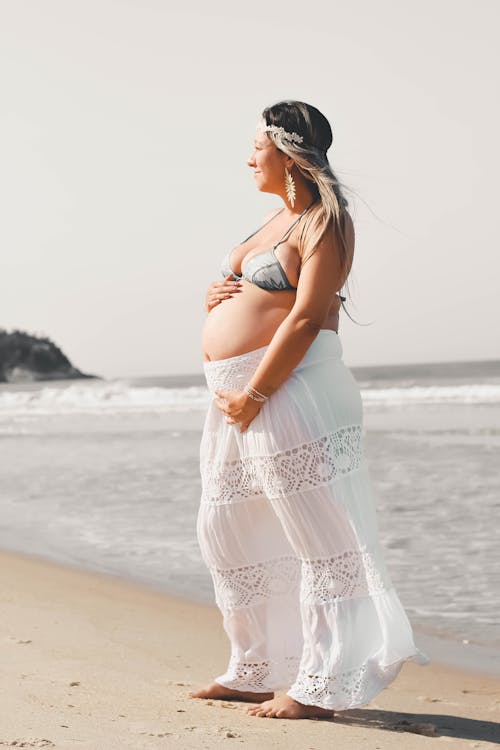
[26, 358]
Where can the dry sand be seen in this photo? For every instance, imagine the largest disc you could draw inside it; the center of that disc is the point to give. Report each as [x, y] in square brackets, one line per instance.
[96, 662]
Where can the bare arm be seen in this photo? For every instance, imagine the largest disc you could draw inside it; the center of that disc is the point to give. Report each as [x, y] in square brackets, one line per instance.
[319, 279]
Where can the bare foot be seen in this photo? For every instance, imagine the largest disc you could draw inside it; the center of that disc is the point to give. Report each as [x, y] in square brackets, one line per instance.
[214, 690]
[285, 707]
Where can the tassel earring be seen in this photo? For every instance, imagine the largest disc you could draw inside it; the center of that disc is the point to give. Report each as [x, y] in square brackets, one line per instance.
[290, 187]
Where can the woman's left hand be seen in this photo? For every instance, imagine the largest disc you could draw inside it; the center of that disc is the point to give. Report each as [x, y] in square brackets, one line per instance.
[238, 406]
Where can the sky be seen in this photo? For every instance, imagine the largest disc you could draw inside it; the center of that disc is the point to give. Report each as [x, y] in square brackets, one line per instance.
[125, 128]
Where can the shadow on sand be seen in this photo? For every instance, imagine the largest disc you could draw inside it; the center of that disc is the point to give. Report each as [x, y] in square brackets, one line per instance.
[430, 725]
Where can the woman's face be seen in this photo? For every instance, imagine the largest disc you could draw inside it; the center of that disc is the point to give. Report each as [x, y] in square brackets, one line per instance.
[267, 163]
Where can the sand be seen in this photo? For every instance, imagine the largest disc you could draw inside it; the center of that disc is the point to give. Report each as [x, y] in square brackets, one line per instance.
[97, 662]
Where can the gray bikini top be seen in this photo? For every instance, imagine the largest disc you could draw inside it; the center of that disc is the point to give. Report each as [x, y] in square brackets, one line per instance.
[263, 269]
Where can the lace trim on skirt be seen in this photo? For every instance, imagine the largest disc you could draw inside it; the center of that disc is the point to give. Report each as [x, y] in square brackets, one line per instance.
[308, 465]
[260, 675]
[350, 574]
[354, 687]
[250, 584]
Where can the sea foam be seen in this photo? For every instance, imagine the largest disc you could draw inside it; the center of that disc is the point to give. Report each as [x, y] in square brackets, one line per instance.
[119, 396]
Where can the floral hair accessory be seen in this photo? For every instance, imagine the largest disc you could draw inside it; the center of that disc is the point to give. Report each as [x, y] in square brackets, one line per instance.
[278, 130]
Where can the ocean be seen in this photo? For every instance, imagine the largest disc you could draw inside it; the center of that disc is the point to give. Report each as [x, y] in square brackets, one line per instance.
[104, 475]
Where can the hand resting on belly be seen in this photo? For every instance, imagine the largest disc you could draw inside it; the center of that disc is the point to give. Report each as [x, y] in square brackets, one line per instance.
[218, 291]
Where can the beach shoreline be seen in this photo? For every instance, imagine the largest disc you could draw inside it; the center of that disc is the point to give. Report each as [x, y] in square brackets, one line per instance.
[93, 660]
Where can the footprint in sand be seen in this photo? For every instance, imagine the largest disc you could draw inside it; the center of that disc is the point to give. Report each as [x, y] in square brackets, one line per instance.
[427, 699]
[18, 640]
[28, 742]
[220, 704]
[227, 732]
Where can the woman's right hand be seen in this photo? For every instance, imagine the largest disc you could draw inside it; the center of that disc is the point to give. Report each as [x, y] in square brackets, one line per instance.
[218, 291]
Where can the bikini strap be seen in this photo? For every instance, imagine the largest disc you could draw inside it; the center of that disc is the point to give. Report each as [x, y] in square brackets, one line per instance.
[262, 227]
[292, 226]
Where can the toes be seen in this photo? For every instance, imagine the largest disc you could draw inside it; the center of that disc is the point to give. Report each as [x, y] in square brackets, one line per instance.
[268, 713]
[264, 710]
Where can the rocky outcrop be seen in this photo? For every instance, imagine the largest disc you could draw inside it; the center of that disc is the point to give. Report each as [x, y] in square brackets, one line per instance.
[25, 358]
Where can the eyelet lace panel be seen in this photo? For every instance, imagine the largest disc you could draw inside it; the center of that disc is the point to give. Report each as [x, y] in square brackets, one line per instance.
[230, 482]
[251, 584]
[350, 574]
[344, 690]
[308, 465]
[233, 373]
[260, 676]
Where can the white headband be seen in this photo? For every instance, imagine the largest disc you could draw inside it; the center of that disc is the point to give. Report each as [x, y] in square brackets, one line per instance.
[286, 136]
[281, 132]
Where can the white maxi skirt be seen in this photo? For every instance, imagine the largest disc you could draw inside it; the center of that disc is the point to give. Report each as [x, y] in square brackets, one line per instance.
[288, 530]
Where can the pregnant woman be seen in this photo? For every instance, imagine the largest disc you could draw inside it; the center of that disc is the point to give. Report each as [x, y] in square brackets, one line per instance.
[287, 521]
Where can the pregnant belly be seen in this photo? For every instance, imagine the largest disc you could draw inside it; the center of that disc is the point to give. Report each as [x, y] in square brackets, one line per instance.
[246, 321]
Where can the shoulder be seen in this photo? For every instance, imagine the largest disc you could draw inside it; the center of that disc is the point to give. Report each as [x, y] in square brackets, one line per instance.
[344, 223]
[345, 226]
[329, 236]
[332, 245]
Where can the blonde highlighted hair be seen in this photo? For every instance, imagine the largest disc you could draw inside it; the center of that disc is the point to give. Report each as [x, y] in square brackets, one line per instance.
[310, 159]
